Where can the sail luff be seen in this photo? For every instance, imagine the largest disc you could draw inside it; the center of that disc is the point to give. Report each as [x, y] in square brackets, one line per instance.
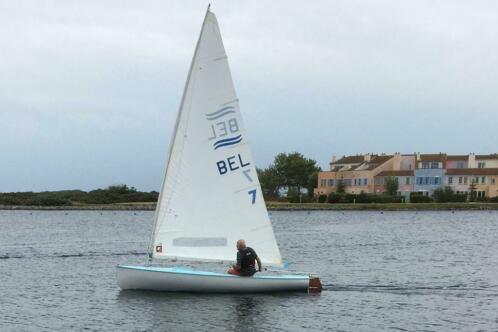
[173, 137]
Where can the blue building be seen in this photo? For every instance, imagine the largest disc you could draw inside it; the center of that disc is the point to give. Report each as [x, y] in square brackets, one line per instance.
[429, 173]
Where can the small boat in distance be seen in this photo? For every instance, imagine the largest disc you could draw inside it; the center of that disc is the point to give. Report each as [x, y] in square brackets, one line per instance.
[211, 195]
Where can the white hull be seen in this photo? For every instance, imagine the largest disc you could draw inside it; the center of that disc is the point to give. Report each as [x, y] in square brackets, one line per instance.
[184, 280]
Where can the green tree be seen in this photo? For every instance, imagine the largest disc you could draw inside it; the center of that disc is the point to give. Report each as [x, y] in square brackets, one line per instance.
[294, 170]
[270, 182]
[444, 195]
[391, 185]
[472, 191]
[312, 182]
[340, 187]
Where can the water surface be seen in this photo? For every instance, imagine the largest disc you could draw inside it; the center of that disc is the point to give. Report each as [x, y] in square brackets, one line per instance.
[413, 271]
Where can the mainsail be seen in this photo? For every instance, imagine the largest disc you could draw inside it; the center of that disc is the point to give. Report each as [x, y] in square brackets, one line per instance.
[211, 195]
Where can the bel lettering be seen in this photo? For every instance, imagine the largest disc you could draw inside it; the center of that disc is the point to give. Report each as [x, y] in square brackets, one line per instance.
[231, 164]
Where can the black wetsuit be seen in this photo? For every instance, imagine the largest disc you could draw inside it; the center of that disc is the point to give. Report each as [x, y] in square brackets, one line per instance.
[246, 261]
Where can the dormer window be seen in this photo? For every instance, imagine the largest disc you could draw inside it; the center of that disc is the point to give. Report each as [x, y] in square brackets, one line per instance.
[481, 164]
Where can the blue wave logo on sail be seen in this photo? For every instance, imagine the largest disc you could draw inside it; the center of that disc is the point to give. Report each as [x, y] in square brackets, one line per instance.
[227, 142]
[220, 113]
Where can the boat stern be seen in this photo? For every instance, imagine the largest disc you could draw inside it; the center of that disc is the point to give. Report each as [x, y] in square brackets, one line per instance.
[315, 285]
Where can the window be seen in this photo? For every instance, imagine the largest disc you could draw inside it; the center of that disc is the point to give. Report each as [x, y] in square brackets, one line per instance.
[355, 182]
[450, 180]
[323, 183]
[483, 179]
[464, 180]
[407, 180]
[481, 164]
[459, 165]
[436, 180]
[435, 164]
[331, 182]
[420, 180]
[427, 180]
[476, 180]
[460, 180]
[365, 182]
[493, 181]
[425, 164]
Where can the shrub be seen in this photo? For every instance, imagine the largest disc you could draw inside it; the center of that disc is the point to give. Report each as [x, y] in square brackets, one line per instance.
[362, 198]
[419, 198]
[494, 199]
[322, 198]
[48, 201]
[385, 199]
[334, 198]
[6, 199]
[349, 198]
[459, 198]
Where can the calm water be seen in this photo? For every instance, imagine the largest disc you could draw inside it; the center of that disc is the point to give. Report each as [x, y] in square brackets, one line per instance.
[408, 271]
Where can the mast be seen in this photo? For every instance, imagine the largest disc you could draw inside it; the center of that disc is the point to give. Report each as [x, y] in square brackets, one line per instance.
[173, 138]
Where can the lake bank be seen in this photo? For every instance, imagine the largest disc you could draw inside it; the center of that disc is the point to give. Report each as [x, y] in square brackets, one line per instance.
[277, 206]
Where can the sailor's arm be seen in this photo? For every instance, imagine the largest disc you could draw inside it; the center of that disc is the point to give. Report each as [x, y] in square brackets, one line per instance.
[260, 266]
[238, 264]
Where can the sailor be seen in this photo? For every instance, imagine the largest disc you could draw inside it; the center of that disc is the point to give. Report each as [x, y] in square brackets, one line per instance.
[246, 258]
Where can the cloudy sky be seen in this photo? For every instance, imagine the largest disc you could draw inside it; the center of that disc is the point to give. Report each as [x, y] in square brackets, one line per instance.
[89, 90]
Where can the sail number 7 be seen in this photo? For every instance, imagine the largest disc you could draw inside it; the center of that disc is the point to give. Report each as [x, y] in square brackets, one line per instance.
[253, 195]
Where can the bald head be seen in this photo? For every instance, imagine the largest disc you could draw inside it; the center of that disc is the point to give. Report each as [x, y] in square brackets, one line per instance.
[241, 244]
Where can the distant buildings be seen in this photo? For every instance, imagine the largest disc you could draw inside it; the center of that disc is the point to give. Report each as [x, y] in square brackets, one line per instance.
[415, 173]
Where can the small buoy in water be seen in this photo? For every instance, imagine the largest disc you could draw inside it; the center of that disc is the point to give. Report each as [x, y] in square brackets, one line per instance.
[381, 212]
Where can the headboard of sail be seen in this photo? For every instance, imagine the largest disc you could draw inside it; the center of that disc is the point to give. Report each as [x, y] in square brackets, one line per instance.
[211, 195]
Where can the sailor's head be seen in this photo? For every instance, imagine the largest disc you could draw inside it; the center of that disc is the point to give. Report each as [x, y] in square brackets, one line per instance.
[241, 244]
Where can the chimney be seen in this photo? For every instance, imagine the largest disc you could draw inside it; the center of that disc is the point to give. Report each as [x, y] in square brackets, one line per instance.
[472, 160]
[418, 156]
[397, 161]
[334, 158]
[367, 157]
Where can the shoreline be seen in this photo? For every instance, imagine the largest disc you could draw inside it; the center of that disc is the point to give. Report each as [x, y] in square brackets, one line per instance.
[278, 206]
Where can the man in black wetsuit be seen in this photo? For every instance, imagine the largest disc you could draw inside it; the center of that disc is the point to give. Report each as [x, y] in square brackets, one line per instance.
[246, 258]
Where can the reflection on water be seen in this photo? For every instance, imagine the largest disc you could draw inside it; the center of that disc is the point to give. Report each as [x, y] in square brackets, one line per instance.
[241, 312]
[397, 270]
[247, 313]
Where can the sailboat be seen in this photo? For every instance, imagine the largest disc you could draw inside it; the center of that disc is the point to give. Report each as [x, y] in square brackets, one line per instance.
[211, 195]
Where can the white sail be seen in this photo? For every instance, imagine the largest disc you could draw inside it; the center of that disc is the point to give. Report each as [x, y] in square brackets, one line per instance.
[211, 195]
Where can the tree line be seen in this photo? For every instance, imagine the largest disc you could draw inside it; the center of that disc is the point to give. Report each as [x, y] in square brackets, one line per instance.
[112, 194]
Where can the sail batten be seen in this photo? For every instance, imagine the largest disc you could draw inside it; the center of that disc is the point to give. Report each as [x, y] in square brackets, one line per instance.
[211, 195]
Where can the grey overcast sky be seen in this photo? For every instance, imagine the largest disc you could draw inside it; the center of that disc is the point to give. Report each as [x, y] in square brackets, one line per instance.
[89, 90]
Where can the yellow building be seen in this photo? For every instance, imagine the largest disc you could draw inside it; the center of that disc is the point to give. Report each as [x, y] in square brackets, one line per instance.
[357, 172]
